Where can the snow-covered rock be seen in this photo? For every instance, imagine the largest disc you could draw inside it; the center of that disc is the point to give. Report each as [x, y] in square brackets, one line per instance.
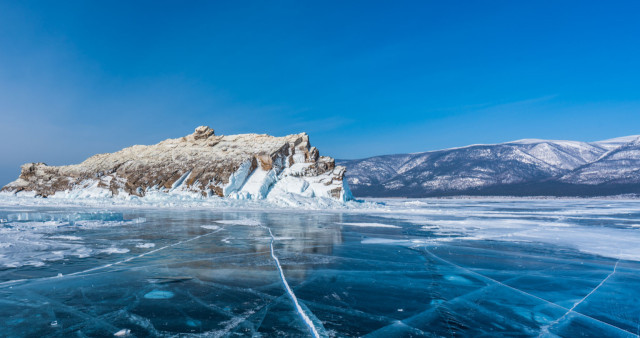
[246, 166]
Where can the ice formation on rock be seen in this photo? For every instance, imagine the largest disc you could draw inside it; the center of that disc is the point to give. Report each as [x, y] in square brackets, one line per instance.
[245, 166]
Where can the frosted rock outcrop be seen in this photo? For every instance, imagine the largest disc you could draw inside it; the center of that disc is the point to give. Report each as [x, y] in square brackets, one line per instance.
[245, 166]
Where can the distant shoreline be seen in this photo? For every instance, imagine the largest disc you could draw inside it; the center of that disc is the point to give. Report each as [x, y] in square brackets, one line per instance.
[499, 197]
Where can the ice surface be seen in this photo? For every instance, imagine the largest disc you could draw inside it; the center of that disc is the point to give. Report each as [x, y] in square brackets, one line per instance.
[34, 238]
[397, 268]
[606, 228]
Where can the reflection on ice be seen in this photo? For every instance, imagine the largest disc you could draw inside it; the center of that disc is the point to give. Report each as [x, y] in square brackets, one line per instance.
[412, 268]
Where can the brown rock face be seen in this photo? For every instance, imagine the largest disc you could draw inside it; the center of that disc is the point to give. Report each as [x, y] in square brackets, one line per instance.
[202, 163]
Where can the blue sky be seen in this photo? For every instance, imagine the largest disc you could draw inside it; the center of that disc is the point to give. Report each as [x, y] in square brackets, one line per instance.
[362, 78]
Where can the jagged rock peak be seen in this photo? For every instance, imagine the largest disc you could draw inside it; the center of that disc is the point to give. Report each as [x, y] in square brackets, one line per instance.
[203, 132]
[244, 166]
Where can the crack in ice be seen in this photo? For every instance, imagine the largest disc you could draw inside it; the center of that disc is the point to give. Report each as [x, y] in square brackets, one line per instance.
[545, 330]
[70, 310]
[293, 297]
[531, 295]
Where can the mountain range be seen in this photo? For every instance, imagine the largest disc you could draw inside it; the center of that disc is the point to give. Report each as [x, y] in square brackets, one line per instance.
[529, 167]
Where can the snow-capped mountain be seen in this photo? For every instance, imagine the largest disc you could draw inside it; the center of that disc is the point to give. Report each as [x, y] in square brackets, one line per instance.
[246, 166]
[619, 165]
[523, 168]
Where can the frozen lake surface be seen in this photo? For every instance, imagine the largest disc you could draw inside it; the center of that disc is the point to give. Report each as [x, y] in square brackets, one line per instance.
[403, 268]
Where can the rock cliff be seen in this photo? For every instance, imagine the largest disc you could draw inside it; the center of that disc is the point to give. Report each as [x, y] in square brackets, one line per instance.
[246, 166]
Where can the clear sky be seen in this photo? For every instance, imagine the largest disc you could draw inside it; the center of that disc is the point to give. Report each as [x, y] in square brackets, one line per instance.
[361, 77]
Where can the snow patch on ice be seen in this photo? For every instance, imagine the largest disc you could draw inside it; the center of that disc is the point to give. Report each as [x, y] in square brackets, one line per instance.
[458, 279]
[384, 241]
[415, 204]
[122, 333]
[159, 294]
[69, 238]
[244, 221]
[370, 225]
[210, 227]
[114, 250]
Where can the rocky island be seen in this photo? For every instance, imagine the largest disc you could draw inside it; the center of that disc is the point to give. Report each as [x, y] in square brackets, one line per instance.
[245, 166]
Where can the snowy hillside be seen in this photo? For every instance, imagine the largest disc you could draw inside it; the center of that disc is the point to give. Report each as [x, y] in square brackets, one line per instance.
[523, 167]
[620, 165]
